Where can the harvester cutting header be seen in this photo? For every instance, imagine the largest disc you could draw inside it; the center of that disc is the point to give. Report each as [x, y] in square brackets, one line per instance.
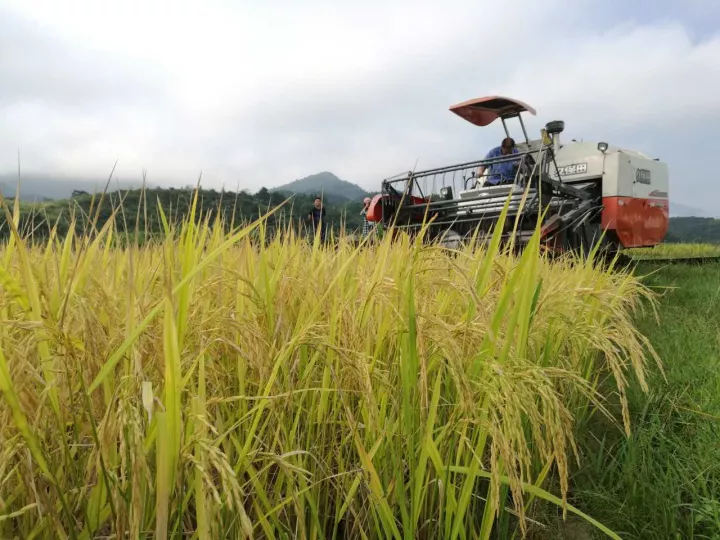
[579, 189]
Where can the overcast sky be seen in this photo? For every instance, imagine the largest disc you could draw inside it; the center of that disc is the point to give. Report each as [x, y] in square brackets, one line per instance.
[264, 92]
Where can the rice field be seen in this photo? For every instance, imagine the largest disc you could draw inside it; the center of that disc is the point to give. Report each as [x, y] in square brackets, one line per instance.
[218, 384]
[668, 251]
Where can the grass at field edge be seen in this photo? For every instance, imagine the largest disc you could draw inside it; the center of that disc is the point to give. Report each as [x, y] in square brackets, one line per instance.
[664, 481]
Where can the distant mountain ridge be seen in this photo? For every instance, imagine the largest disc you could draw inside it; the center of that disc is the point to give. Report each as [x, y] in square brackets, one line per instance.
[43, 187]
[325, 184]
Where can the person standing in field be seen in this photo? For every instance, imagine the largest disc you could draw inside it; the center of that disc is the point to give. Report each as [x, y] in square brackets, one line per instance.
[317, 216]
[367, 228]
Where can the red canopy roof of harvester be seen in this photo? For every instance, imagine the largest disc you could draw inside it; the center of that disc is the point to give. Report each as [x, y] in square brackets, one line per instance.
[485, 110]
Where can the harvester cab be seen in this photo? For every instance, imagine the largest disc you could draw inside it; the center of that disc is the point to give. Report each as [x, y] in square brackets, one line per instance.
[483, 112]
[566, 187]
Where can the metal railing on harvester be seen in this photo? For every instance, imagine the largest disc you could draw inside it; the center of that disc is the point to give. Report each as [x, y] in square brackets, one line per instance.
[455, 197]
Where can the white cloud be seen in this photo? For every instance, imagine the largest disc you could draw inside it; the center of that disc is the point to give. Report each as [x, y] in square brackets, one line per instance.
[265, 92]
[629, 77]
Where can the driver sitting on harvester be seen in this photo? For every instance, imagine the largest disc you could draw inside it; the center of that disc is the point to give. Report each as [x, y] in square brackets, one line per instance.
[504, 172]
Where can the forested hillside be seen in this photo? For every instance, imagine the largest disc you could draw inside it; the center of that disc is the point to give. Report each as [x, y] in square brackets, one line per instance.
[325, 184]
[142, 207]
[694, 230]
[139, 207]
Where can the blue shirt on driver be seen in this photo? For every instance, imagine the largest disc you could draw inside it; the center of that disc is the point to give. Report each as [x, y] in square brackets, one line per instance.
[500, 172]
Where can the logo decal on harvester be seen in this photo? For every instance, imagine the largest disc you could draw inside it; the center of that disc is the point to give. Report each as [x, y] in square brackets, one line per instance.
[642, 176]
[575, 168]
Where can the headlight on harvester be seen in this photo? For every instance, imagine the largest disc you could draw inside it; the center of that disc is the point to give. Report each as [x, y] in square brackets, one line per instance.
[603, 146]
[446, 193]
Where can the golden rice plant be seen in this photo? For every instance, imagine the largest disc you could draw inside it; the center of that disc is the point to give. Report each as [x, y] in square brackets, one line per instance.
[223, 384]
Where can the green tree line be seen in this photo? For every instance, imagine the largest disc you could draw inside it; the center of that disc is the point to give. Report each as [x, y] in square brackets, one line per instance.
[141, 208]
[694, 230]
[138, 206]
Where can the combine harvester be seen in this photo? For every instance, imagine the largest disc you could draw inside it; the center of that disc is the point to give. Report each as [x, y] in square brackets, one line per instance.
[580, 190]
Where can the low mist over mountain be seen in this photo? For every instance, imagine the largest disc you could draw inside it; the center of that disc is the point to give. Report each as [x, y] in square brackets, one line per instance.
[45, 187]
[681, 210]
[327, 185]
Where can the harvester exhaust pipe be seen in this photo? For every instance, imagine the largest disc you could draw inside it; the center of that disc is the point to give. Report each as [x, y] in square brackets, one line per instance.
[554, 129]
